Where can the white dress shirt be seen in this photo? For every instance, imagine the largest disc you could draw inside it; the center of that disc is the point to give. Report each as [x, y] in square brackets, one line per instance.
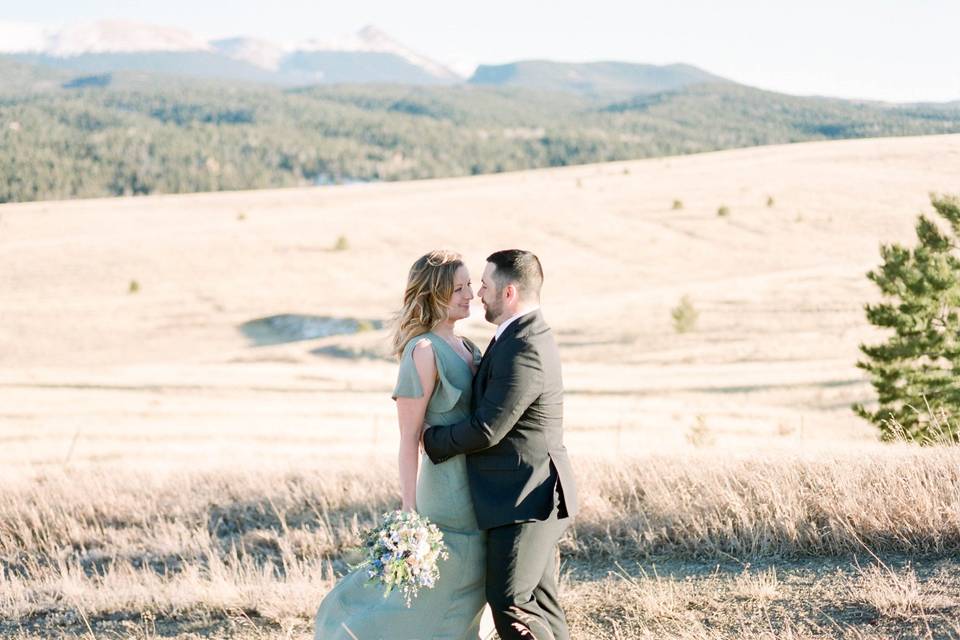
[506, 323]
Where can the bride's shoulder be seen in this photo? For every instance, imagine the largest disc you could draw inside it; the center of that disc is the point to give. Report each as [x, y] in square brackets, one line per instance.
[420, 352]
[418, 344]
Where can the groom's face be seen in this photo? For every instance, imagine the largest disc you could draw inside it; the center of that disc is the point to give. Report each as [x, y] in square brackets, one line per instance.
[490, 296]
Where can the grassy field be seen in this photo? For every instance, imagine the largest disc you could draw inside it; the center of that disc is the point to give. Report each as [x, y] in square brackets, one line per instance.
[168, 472]
[678, 546]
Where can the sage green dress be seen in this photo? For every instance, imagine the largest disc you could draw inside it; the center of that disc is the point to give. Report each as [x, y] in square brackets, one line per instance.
[356, 610]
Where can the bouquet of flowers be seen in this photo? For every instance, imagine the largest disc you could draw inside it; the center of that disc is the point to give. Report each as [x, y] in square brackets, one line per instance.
[403, 553]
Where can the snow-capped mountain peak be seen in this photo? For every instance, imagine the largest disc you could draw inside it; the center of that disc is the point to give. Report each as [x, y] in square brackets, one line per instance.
[259, 53]
[372, 39]
[111, 36]
[105, 36]
[286, 64]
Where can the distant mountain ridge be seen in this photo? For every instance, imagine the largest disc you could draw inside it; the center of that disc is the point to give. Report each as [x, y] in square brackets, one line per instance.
[369, 56]
[593, 77]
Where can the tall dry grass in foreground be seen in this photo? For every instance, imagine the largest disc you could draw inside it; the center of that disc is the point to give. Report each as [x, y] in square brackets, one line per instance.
[194, 552]
[903, 500]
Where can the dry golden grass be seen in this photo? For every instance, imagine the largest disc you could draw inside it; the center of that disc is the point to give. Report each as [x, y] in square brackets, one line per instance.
[891, 593]
[898, 593]
[202, 550]
[903, 500]
[759, 586]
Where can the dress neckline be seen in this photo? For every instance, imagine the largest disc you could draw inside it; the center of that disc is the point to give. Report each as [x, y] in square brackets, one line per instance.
[473, 357]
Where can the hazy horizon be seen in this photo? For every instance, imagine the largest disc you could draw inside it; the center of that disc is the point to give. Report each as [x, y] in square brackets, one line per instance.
[858, 49]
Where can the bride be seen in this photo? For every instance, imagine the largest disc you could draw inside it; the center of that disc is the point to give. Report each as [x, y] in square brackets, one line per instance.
[433, 387]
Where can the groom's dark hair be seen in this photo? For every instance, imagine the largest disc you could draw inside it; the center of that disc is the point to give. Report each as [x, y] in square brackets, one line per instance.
[522, 268]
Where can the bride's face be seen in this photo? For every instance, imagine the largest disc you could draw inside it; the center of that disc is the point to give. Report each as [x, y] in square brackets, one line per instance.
[459, 306]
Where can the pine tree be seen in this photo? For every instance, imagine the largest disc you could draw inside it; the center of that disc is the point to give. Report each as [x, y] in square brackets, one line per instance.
[915, 372]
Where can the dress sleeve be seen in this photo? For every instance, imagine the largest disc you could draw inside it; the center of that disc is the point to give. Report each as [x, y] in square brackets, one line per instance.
[408, 380]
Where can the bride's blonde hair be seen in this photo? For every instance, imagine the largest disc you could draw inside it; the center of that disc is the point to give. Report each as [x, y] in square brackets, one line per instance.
[429, 289]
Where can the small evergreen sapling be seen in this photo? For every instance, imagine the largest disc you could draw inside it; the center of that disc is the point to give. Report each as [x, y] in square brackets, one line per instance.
[916, 371]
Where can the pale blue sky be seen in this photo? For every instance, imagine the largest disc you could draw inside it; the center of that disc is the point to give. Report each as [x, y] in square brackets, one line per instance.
[900, 50]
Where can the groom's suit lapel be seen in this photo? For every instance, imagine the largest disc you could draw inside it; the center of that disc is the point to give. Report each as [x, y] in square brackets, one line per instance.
[480, 379]
[483, 371]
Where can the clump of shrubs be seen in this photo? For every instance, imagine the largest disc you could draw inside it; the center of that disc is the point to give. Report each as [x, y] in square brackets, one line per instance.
[699, 434]
[684, 315]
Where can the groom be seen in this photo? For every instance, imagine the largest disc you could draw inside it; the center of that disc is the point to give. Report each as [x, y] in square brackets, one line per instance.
[520, 476]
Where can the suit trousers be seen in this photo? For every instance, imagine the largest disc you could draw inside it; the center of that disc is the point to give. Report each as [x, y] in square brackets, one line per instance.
[522, 571]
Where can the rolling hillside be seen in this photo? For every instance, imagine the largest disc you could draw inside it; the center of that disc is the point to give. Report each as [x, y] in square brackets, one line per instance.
[141, 134]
